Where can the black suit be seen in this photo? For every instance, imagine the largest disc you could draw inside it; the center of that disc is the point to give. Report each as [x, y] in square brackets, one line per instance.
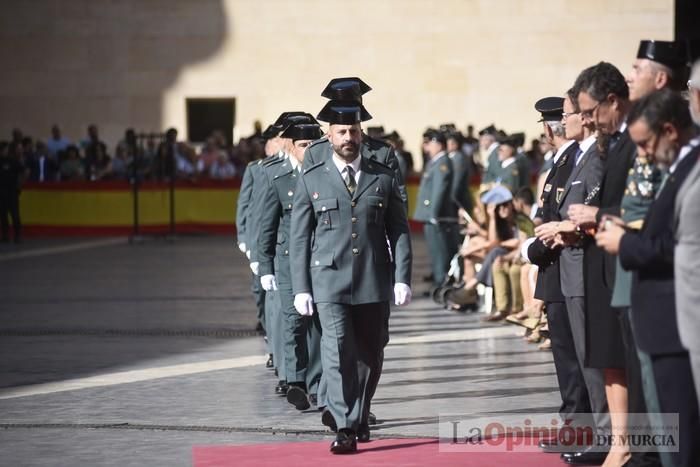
[603, 331]
[649, 254]
[572, 386]
[50, 169]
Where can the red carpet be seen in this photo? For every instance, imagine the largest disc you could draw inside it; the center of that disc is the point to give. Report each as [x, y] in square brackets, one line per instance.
[387, 452]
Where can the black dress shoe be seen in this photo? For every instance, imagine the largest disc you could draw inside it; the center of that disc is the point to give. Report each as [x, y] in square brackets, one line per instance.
[551, 446]
[363, 434]
[297, 397]
[371, 419]
[345, 443]
[328, 420]
[270, 362]
[589, 456]
[281, 388]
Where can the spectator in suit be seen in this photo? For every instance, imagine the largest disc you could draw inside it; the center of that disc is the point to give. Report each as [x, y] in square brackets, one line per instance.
[42, 167]
[661, 127]
[71, 167]
[687, 253]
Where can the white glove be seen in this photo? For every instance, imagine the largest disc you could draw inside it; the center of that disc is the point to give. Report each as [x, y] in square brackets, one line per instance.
[268, 282]
[241, 246]
[247, 254]
[433, 221]
[304, 303]
[402, 294]
[255, 266]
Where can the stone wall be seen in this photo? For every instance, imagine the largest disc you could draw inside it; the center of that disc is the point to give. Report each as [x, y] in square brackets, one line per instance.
[122, 63]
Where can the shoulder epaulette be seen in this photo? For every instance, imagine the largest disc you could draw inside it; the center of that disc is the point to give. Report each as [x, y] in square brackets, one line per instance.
[272, 160]
[254, 162]
[314, 166]
[321, 140]
[381, 165]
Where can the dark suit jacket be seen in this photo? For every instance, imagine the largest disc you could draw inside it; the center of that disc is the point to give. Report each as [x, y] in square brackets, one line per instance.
[617, 164]
[649, 253]
[338, 247]
[548, 288]
[50, 170]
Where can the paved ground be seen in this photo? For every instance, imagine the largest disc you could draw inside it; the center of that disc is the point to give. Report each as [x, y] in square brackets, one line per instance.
[118, 354]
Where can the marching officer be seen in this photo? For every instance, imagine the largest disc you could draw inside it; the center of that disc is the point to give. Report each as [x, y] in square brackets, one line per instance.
[346, 207]
[436, 207]
[300, 334]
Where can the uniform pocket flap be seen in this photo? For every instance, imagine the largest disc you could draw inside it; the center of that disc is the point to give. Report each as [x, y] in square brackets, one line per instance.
[323, 205]
[322, 259]
[375, 201]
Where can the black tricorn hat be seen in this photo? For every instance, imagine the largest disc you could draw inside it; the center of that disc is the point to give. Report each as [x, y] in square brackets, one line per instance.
[551, 108]
[303, 131]
[346, 89]
[270, 132]
[290, 118]
[489, 130]
[671, 54]
[343, 113]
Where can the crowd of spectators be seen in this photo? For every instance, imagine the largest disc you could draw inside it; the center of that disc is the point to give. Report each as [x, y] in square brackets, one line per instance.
[150, 156]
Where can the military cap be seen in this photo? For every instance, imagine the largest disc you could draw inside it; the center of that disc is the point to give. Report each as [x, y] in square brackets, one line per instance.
[375, 131]
[551, 108]
[291, 118]
[509, 140]
[346, 89]
[343, 113]
[489, 130]
[393, 136]
[498, 194]
[270, 132]
[519, 139]
[435, 135]
[455, 135]
[671, 54]
[303, 131]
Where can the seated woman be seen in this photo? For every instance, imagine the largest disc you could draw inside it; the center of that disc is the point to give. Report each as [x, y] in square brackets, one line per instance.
[501, 237]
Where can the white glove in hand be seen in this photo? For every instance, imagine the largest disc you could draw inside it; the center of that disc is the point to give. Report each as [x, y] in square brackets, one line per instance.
[241, 246]
[304, 303]
[433, 221]
[268, 282]
[402, 294]
[255, 266]
[247, 254]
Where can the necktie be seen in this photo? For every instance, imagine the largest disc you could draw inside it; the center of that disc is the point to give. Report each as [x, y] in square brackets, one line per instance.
[579, 155]
[614, 138]
[349, 178]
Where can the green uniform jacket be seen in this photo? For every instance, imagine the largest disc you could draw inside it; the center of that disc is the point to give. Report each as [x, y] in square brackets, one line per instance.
[371, 148]
[244, 196]
[276, 212]
[494, 167]
[460, 180]
[435, 192]
[338, 247]
[261, 187]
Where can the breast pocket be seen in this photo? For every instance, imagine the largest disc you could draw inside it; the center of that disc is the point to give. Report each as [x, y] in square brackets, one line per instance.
[376, 207]
[326, 213]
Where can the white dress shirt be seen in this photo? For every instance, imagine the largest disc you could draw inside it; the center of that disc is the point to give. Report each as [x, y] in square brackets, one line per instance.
[341, 164]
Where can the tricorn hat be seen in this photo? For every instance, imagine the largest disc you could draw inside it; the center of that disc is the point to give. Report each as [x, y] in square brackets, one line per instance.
[346, 89]
[671, 54]
[343, 113]
[303, 131]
